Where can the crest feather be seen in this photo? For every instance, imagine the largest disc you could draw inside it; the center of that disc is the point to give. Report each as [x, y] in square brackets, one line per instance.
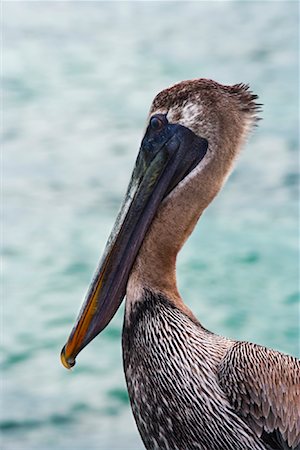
[180, 93]
[247, 99]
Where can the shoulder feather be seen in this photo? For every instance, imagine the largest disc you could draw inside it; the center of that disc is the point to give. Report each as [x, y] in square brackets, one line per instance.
[263, 386]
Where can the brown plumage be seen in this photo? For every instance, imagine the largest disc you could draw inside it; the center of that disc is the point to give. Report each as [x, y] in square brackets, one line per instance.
[179, 94]
[263, 386]
[260, 386]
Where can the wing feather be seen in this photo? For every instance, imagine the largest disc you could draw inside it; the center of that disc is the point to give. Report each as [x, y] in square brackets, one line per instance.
[263, 386]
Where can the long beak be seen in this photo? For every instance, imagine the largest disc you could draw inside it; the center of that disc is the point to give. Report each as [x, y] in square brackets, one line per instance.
[167, 154]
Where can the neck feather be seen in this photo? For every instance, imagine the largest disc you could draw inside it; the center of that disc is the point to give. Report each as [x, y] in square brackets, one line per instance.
[155, 265]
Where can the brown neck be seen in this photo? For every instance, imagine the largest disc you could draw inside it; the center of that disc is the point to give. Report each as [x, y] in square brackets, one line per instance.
[224, 118]
[155, 266]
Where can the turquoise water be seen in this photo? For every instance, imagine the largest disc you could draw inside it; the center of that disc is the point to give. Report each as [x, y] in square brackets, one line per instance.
[79, 78]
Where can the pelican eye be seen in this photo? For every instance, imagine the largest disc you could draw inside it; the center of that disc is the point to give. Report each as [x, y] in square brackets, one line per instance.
[156, 123]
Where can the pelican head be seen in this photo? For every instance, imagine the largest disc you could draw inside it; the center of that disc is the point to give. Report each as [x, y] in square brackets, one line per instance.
[193, 135]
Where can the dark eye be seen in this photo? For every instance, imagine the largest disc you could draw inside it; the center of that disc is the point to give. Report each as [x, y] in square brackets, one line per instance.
[156, 123]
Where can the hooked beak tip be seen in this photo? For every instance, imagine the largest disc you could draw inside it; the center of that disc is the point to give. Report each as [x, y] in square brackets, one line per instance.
[67, 362]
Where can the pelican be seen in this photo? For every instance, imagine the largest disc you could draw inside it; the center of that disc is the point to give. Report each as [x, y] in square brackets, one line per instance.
[189, 388]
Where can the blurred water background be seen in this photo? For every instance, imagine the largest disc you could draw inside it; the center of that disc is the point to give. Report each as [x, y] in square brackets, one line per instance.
[79, 78]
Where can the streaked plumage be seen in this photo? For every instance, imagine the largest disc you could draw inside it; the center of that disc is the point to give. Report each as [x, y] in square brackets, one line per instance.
[189, 388]
[263, 386]
[219, 393]
[192, 389]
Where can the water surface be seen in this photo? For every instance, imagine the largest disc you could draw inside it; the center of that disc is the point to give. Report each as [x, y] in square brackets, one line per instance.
[79, 78]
